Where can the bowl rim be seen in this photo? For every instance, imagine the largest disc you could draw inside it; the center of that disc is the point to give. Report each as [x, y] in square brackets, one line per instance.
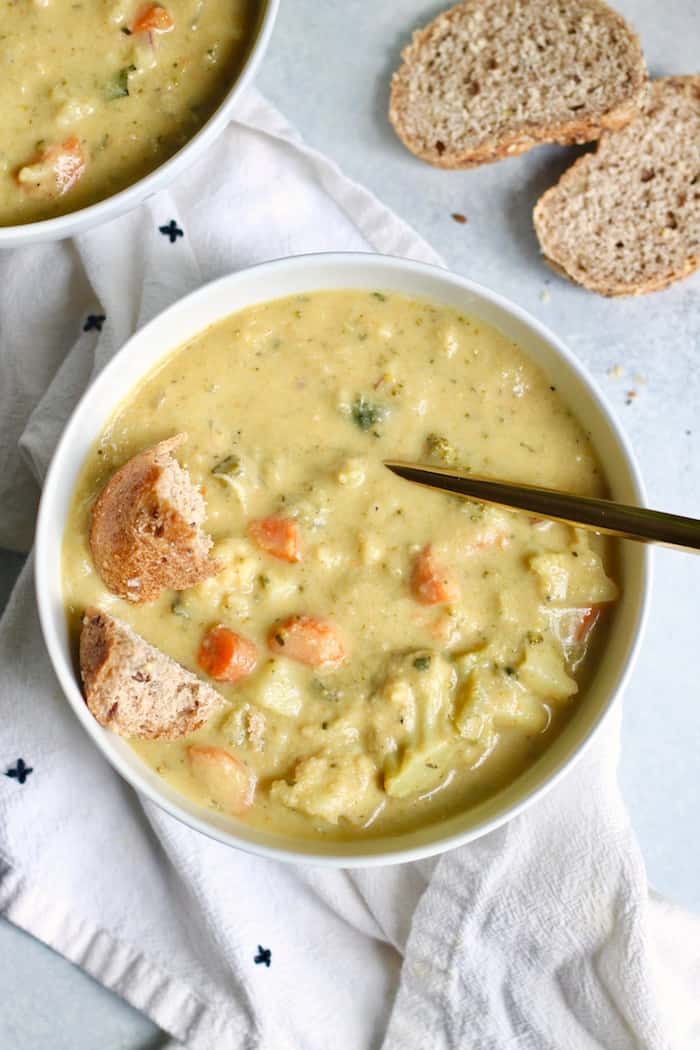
[47, 534]
[124, 200]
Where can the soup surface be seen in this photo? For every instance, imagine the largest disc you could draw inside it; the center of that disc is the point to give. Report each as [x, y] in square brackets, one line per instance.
[460, 631]
[95, 95]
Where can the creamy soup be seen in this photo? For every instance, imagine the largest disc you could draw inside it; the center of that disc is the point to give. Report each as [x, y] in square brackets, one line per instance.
[95, 95]
[457, 634]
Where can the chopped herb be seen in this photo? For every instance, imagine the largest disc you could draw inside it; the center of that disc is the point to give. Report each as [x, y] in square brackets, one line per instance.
[534, 638]
[431, 765]
[227, 468]
[179, 609]
[510, 671]
[263, 580]
[126, 31]
[279, 639]
[365, 414]
[440, 448]
[380, 296]
[118, 86]
[326, 691]
[422, 663]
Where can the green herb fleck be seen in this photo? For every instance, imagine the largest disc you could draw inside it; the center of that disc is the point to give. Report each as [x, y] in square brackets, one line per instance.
[118, 86]
[227, 468]
[422, 663]
[365, 414]
[179, 609]
[126, 31]
[440, 448]
[380, 296]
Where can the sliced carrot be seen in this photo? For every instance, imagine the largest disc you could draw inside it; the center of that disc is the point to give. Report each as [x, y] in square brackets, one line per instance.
[54, 171]
[153, 19]
[276, 536]
[308, 640]
[226, 656]
[430, 583]
[588, 619]
[224, 777]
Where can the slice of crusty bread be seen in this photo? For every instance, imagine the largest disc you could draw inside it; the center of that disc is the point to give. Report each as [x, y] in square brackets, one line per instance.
[146, 532]
[492, 78]
[136, 690]
[626, 219]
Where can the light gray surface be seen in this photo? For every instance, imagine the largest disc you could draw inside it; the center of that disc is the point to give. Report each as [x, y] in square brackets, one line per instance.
[328, 70]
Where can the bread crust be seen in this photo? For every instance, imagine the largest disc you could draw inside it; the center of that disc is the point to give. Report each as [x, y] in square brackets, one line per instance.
[134, 689]
[541, 217]
[140, 542]
[513, 142]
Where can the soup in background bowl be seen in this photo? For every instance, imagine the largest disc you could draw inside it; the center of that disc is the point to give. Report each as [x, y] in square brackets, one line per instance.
[416, 667]
[101, 103]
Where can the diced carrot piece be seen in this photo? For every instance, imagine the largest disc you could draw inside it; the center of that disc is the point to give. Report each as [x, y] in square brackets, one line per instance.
[226, 656]
[430, 582]
[276, 536]
[225, 778]
[308, 640]
[153, 19]
[588, 620]
[55, 171]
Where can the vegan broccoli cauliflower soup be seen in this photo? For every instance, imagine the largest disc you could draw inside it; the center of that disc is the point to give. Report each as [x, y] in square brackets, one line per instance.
[95, 95]
[290, 634]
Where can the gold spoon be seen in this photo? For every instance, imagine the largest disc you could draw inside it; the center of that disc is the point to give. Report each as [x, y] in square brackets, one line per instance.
[600, 515]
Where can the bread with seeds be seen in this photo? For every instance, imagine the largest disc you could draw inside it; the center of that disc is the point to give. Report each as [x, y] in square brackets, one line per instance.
[493, 78]
[625, 220]
[136, 690]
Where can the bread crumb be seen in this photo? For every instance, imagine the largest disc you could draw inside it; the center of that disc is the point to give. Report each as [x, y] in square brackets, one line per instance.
[458, 217]
[615, 371]
[631, 394]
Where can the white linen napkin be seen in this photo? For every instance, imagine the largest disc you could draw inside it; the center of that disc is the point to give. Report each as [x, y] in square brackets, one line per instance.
[540, 935]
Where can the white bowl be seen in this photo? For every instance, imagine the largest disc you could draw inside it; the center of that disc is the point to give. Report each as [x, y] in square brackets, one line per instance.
[135, 194]
[306, 274]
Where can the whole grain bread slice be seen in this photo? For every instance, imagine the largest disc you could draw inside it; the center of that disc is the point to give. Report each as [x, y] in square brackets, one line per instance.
[146, 532]
[136, 690]
[493, 78]
[626, 219]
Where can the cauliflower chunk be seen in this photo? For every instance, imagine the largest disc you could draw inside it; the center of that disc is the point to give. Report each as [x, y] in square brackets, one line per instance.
[331, 786]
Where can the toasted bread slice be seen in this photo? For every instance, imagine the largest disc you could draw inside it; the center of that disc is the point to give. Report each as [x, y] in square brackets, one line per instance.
[493, 78]
[626, 219]
[136, 690]
[146, 532]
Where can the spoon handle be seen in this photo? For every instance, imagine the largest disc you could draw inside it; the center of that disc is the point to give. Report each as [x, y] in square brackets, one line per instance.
[600, 515]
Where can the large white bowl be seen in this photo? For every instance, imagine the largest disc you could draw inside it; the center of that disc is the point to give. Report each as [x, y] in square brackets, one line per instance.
[305, 274]
[84, 218]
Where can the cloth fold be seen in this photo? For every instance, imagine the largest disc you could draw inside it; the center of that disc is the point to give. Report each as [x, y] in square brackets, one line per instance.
[539, 935]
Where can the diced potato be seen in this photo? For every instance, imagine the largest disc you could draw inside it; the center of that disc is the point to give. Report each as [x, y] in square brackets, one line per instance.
[543, 671]
[575, 577]
[278, 688]
[331, 785]
[491, 699]
[419, 770]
